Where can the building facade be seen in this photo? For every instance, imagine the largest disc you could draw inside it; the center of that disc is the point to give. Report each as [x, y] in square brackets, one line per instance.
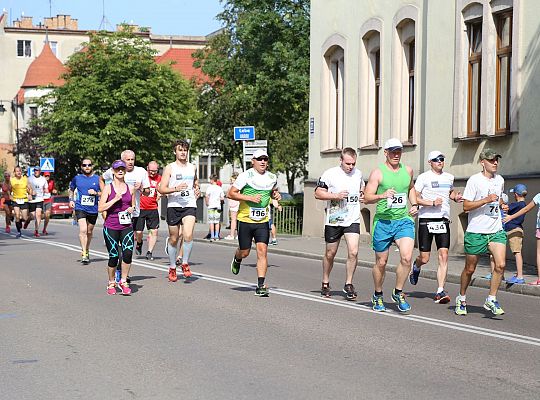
[449, 75]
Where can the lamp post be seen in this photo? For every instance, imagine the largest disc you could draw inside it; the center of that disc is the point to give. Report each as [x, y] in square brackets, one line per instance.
[14, 108]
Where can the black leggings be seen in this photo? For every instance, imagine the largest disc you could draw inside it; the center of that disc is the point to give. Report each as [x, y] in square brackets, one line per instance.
[113, 239]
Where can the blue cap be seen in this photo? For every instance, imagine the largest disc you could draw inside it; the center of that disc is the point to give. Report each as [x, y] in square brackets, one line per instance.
[520, 189]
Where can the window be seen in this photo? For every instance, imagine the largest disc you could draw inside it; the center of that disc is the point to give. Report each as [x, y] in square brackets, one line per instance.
[208, 165]
[215, 165]
[33, 112]
[54, 47]
[376, 65]
[504, 71]
[202, 171]
[334, 97]
[24, 48]
[474, 34]
[410, 109]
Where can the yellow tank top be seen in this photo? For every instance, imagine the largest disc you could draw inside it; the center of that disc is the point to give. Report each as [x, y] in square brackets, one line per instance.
[18, 187]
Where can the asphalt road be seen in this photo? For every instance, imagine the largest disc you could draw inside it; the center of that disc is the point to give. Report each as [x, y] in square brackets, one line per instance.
[62, 337]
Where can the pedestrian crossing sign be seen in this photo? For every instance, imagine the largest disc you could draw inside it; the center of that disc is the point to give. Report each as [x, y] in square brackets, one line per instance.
[46, 164]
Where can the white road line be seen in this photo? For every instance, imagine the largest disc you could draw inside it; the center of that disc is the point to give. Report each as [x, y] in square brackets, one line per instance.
[314, 298]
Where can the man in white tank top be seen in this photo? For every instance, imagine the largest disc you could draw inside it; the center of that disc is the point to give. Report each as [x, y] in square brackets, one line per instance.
[181, 186]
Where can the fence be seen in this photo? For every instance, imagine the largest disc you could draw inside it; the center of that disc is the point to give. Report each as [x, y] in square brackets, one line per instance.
[288, 220]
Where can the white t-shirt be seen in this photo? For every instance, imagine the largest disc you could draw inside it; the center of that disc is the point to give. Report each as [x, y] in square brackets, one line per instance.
[347, 211]
[215, 195]
[182, 174]
[38, 185]
[138, 174]
[536, 200]
[485, 219]
[433, 186]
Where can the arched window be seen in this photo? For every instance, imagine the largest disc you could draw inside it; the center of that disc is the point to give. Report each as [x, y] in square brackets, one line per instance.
[333, 98]
[371, 86]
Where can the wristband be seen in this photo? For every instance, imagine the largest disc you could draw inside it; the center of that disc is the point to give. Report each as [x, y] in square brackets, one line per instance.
[415, 205]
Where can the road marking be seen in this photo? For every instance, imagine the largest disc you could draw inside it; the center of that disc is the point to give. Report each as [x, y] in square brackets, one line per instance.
[317, 299]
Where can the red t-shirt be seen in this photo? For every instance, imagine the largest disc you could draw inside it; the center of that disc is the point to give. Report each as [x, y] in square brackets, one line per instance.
[51, 188]
[150, 202]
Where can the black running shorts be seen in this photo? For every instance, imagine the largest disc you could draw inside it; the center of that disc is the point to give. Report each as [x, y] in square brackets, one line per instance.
[90, 218]
[150, 217]
[247, 232]
[32, 207]
[333, 233]
[425, 238]
[175, 215]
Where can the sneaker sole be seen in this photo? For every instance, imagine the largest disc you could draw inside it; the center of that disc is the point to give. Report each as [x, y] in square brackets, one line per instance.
[399, 308]
[267, 294]
[443, 300]
[350, 298]
[489, 309]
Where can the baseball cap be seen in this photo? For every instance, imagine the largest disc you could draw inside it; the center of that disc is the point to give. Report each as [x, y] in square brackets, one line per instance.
[393, 144]
[37, 168]
[259, 153]
[46, 174]
[489, 154]
[118, 164]
[434, 154]
[520, 189]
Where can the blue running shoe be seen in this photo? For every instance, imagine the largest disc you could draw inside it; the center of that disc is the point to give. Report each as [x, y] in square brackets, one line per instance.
[488, 277]
[415, 273]
[461, 307]
[403, 306]
[516, 280]
[494, 307]
[378, 304]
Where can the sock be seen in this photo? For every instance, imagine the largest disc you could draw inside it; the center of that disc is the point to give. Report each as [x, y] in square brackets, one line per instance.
[491, 298]
[440, 289]
[172, 254]
[18, 224]
[462, 298]
[378, 293]
[139, 244]
[237, 260]
[397, 291]
[260, 281]
[187, 251]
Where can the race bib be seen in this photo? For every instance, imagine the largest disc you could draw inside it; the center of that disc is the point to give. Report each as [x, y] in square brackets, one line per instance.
[257, 214]
[88, 200]
[46, 195]
[152, 192]
[492, 210]
[436, 227]
[19, 201]
[184, 193]
[353, 198]
[124, 217]
[399, 200]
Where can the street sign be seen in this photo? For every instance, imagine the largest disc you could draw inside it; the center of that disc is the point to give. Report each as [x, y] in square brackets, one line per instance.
[30, 171]
[250, 147]
[244, 133]
[46, 164]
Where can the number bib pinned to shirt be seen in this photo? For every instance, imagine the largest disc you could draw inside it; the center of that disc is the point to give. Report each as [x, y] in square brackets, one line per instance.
[152, 192]
[399, 200]
[492, 210]
[436, 227]
[19, 201]
[124, 218]
[257, 214]
[88, 200]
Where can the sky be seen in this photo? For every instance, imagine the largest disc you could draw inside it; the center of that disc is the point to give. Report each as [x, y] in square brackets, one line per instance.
[165, 17]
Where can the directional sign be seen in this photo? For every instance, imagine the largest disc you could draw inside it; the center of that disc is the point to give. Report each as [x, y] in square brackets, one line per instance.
[244, 133]
[46, 164]
[30, 171]
[250, 147]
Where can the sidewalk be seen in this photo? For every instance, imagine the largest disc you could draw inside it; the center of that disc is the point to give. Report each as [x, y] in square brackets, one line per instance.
[312, 248]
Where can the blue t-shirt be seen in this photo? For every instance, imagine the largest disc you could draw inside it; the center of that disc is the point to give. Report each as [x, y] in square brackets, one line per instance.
[84, 201]
[517, 222]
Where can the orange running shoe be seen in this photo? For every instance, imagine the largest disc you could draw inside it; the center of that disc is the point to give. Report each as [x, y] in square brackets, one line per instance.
[186, 270]
[172, 275]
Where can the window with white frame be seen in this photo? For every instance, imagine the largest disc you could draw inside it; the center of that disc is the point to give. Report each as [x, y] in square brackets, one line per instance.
[54, 47]
[371, 84]
[333, 98]
[474, 95]
[503, 22]
[24, 48]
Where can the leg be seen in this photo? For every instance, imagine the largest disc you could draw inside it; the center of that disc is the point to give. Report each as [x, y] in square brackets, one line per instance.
[188, 223]
[233, 223]
[211, 230]
[538, 257]
[352, 240]
[498, 250]
[37, 223]
[379, 269]
[127, 242]
[89, 234]
[262, 259]
[328, 260]
[471, 261]
[174, 234]
[406, 246]
[519, 264]
[217, 230]
[83, 234]
[152, 239]
[423, 258]
[442, 271]
[47, 218]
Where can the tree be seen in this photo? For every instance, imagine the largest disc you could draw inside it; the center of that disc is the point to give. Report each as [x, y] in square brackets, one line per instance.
[116, 97]
[259, 75]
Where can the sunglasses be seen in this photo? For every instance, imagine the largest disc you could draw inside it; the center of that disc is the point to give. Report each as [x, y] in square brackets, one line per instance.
[261, 158]
[86, 165]
[152, 170]
[438, 159]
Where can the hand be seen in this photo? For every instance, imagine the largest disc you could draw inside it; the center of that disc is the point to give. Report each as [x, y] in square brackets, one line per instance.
[197, 192]
[361, 197]
[130, 210]
[92, 192]
[117, 197]
[437, 202]
[507, 219]
[256, 198]
[413, 211]
[491, 198]
[459, 197]
[389, 194]
[276, 195]
[137, 185]
[182, 186]
[505, 207]
[55, 191]
[342, 195]
[279, 208]
[71, 204]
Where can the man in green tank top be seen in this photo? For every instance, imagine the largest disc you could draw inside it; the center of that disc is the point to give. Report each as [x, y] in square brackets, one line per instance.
[390, 185]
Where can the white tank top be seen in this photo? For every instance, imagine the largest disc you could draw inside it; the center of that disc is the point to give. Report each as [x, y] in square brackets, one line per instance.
[179, 175]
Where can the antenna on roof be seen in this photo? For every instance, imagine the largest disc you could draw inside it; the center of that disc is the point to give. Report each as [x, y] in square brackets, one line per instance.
[170, 41]
[50, 8]
[104, 21]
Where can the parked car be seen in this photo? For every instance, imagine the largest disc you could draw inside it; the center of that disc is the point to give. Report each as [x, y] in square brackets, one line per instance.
[60, 206]
[286, 197]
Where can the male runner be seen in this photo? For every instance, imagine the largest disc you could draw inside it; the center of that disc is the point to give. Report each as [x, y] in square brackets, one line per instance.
[149, 212]
[434, 190]
[6, 195]
[482, 202]
[254, 188]
[213, 197]
[84, 190]
[342, 187]
[21, 193]
[47, 201]
[389, 186]
[35, 206]
[181, 186]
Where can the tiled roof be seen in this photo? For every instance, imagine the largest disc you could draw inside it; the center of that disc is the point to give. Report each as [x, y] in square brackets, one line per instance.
[182, 62]
[46, 69]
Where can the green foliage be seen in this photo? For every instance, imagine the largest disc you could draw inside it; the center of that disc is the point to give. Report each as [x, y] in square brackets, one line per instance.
[116, 97]
[259, 75]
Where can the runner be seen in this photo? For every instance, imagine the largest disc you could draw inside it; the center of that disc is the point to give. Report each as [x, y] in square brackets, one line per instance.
[83, 194]
[35, 206]
[389, 186]
[21, 193]
[118, 200]
[47, 201]
[181, 186]
[213, 197]
[484, 232]
[254, 188]
[434, 190]
[8, 204]
[342, 187]
[149, 212]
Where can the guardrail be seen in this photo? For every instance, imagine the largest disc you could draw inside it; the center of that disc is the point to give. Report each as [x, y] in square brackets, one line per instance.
[288, 221]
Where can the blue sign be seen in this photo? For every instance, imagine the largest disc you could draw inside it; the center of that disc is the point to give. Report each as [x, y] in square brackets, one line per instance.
[30, 171]
[46, 164]
[244, 133]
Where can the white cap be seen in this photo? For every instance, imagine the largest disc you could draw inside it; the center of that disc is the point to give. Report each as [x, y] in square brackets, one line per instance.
[434, 154]
[393, 144]
[259, 153]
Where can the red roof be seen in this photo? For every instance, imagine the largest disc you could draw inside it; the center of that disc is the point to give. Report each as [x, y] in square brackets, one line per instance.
[182, 62]
[45, 70]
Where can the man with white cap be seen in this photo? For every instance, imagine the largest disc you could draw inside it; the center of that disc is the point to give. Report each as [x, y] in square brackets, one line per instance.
[390, 185]
[254, 189]
[434, 190]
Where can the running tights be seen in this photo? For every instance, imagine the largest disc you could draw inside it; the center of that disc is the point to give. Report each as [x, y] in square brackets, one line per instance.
[116, 238]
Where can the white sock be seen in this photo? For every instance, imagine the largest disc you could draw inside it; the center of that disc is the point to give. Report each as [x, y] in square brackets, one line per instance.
[440, 289]
[462, 298]
[172, 255]
[491, 298]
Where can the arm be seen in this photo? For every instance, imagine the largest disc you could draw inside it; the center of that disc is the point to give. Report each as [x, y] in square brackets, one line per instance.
[163, 187]
[469, 205]
[456, 196]
[207, 198]
[370, 192]
[412, 194]
[427, 203]
[521, 212]
[103, 204]
[196, 187]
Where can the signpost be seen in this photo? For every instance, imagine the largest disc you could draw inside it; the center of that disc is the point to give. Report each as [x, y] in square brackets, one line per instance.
[250, 147]
[46, 164]
[244, 133]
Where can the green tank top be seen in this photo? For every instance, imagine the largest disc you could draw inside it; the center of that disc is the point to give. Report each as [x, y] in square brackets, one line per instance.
[396, 207]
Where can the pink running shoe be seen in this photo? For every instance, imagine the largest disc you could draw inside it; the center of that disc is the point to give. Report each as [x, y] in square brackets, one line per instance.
[36, 234]
[8, 229]
[44, 232]
[186, 270]
[124, 287]
[111, 288]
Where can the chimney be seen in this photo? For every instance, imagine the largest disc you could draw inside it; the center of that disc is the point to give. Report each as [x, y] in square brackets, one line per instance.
[26, 22]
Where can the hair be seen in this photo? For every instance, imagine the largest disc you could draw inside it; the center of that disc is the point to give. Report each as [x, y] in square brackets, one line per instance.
[127, 153]
[213, 177]
[349, 151]
[153, 162]
[234, 175]
[184, 144]
[17, 167]
[87, 158]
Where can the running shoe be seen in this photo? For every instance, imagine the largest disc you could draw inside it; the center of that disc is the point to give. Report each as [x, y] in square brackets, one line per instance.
[167, 246]
[186, 271]
[488, 277]
[138, 249]
[515, 279]
[494, 307]
[85, 259]
[26, 222]
[111, 288]
[124, 287]
[274, 242]
[44, 232]
[172, 275]
[262, 291]
[229, 237]
[149, 255]
[36, 234]
[325, 290]
[441, 298]
[235, 266]
[399, 298]
[378, 303]
[178, 261]
[18, 235]
[415, 274]
[8, 229]
[350, 293]
[461, 307]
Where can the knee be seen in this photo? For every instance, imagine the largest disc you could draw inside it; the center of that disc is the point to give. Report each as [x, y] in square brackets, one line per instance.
[406, 259]
[353, 254]
[499, 267]
[381, 263]
[188, 238]
[424, 258]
